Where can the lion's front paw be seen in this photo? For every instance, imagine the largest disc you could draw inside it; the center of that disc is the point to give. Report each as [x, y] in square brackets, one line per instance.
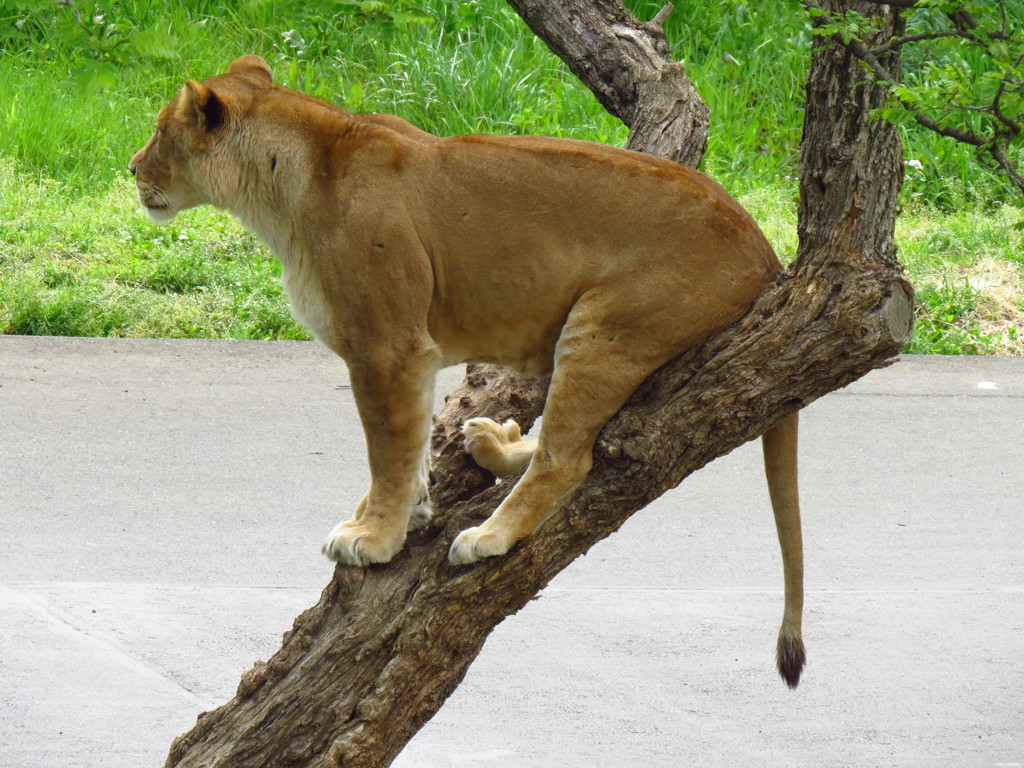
[475, 544]
[354, 543]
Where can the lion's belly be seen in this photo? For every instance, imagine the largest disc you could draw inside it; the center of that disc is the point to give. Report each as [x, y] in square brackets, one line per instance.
[531, 355]
[491, 308]
[520, 341]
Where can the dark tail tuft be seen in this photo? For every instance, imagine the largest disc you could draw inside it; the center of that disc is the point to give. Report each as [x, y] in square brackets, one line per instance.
[790, 657]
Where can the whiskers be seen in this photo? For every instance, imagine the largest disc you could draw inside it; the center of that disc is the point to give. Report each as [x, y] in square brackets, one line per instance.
[157, 203]
[152, 196]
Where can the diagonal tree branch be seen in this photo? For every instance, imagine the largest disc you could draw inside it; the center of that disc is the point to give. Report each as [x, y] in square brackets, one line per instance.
[363, 669]
[627, 65]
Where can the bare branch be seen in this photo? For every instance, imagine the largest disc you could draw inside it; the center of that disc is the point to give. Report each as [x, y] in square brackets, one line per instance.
[1012, 125]
[899, 42]
[662, 15]
[998, 152]
[963, 20]
[895, 3]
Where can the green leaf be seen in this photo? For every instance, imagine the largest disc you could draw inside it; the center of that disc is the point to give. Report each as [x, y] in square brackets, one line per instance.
[154, 43]
[401, 18]
[93, 77]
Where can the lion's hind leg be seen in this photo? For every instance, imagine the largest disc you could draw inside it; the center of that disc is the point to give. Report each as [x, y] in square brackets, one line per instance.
[422, 509]
[599, 361]
[498, 448]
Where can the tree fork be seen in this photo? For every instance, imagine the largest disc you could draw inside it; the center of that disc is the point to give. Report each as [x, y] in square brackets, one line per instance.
[365, 668]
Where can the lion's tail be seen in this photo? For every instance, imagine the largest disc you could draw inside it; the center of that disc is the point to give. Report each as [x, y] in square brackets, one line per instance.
[780, 464]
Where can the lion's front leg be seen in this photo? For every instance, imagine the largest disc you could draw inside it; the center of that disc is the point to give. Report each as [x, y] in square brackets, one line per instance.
[395, 405]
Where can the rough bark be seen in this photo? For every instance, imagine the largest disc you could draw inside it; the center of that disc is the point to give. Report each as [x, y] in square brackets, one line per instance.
[369, 664]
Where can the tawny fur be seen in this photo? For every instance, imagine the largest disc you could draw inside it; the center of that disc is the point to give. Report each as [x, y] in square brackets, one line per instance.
[404, 252]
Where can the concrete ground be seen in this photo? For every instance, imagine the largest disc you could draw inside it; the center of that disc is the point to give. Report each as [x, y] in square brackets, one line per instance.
[162, 506]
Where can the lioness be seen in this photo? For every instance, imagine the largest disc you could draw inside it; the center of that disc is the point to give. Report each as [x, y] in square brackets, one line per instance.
[404, 253]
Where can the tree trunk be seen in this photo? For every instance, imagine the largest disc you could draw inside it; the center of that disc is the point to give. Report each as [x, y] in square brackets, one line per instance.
[367, 666]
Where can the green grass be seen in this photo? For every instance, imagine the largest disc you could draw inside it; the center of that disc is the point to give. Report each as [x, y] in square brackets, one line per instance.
[460, 74]
[94, 266]
[77, 258]
[968, 270]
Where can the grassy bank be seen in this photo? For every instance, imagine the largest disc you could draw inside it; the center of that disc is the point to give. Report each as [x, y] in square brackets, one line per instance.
[77, 258]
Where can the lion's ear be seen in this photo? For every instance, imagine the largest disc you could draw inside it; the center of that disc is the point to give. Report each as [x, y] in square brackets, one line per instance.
[200, 107]
[251, 65]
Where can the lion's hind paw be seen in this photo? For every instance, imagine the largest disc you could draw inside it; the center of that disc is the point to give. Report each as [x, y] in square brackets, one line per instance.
[420, 514]
[474, 544]
[498, 448]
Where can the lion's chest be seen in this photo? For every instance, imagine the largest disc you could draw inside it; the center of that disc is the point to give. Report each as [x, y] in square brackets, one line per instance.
[309, 301]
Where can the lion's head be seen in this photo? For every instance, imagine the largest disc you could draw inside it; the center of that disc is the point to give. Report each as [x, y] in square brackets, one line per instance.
[189, 159]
